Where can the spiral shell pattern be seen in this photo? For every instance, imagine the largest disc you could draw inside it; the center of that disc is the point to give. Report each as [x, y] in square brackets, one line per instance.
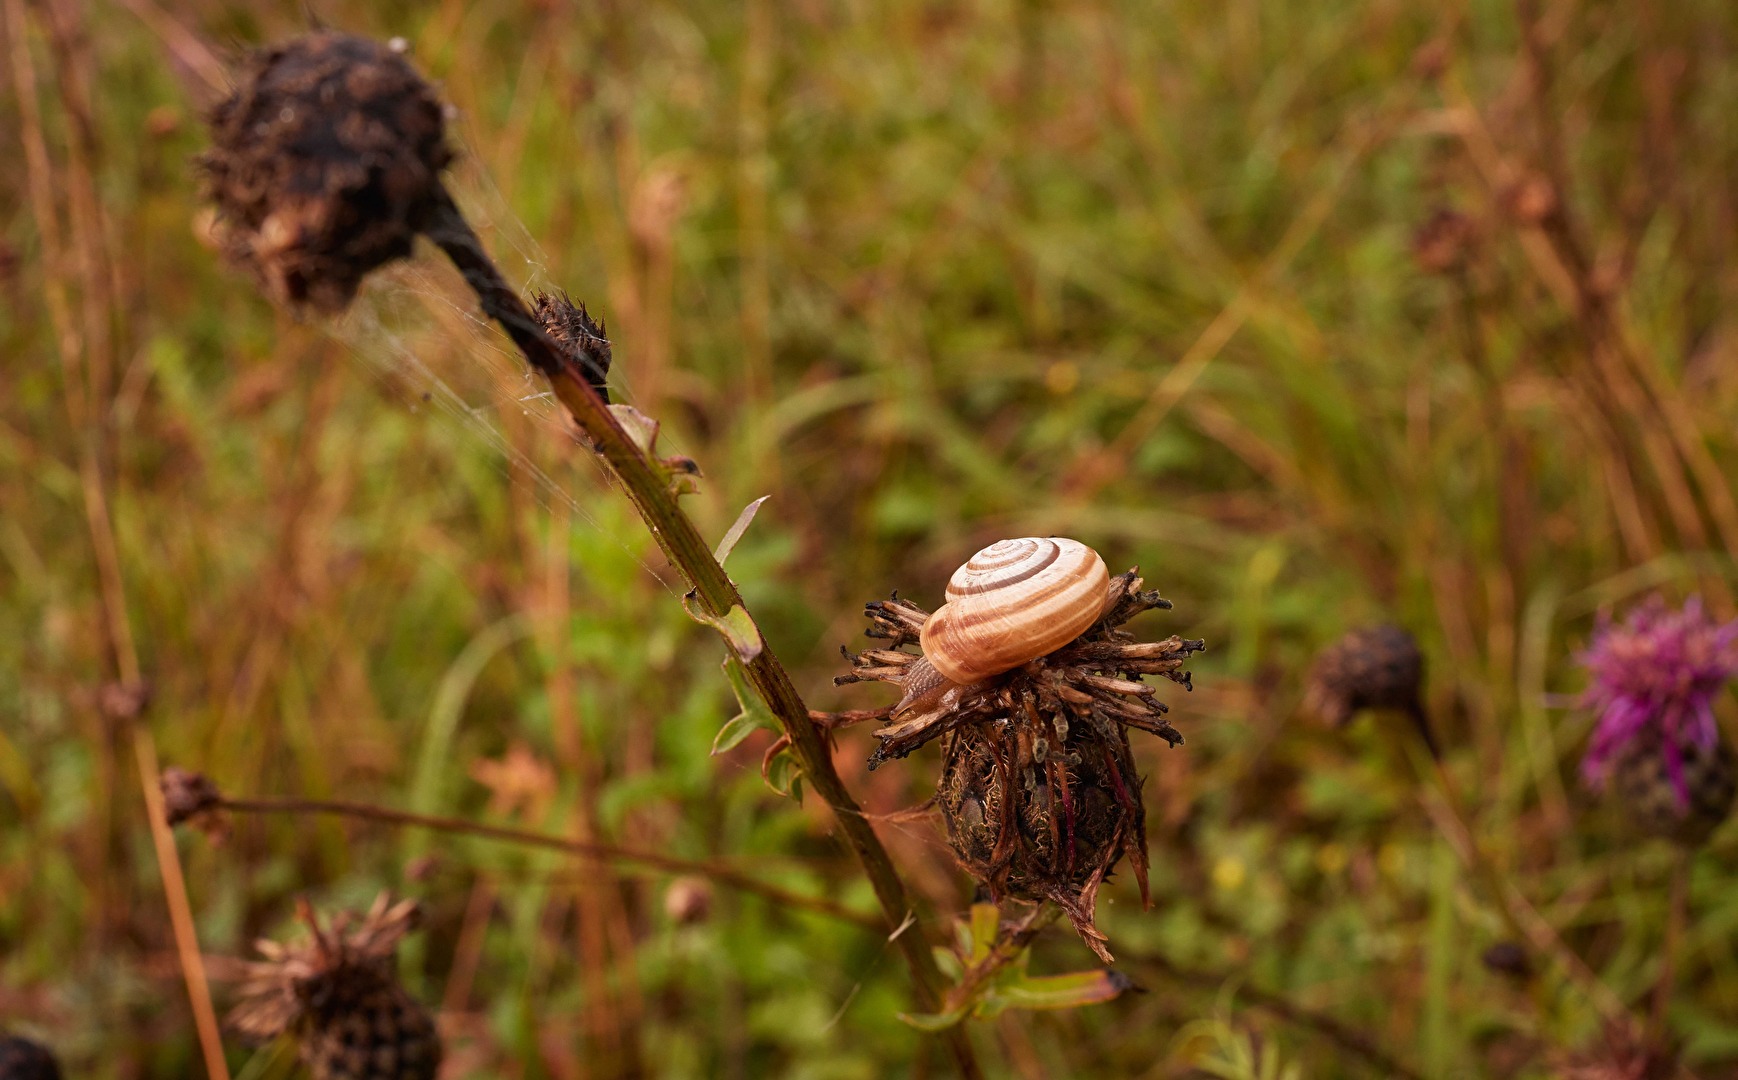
[1015, 601]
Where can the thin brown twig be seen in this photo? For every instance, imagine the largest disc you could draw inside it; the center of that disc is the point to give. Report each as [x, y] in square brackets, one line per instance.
[724, 875]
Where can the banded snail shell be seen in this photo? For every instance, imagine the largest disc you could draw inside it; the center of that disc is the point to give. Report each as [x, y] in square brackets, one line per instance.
[1015, 601]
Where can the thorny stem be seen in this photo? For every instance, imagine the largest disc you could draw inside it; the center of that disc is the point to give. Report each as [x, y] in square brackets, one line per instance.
[692, 556]
[724, 875]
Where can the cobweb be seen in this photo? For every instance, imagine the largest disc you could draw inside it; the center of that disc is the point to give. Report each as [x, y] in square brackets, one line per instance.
[402, 326]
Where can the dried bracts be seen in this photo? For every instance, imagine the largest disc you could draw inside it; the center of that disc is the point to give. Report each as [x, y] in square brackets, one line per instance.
[1031, 684]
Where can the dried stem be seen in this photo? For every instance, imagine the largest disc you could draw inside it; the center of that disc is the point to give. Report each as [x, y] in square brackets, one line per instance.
[712, 588]
[83, 391]
[724, 875]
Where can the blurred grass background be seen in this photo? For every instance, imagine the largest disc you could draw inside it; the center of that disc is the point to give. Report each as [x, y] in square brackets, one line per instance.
[1319, 313]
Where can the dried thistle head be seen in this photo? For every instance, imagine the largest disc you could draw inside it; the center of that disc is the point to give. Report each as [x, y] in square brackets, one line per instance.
[1373, 667]
[1031, 684]
[190, 797]
[1656, 744]
[325, 163]
[338, 996]
[21, 1059]
[581, 337]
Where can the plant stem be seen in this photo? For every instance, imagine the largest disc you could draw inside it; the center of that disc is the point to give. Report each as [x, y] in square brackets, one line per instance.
[1677, 913]
[724, 875]
[692, 556]
[1345, 1037]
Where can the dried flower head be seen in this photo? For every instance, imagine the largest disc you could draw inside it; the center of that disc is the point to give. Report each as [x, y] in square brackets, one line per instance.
[1372, 667]
[581, 337]
[325, 163]
[21, 1059]
[189, 796]
[1039, 789]
[1653, 680]
[339, 997]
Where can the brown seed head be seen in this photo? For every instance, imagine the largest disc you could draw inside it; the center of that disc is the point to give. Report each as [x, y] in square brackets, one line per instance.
[1375, 667]
[338, 996]
[190, 797]
[325, 163]
[21, 1059]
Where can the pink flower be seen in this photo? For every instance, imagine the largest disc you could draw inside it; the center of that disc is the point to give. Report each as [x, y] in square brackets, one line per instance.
[1656, 675]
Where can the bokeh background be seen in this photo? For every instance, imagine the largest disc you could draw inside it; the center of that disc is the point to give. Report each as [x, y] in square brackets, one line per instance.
[1321, 313]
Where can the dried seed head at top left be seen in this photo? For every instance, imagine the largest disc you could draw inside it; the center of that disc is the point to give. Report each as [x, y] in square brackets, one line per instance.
[325, 163]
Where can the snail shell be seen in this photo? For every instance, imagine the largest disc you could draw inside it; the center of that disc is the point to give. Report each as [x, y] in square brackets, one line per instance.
[1015, 601]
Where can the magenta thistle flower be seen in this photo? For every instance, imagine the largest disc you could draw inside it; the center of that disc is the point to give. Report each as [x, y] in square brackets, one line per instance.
[1654, 679]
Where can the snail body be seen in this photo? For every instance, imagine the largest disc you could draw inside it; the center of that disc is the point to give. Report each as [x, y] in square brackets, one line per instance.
[1015, 601]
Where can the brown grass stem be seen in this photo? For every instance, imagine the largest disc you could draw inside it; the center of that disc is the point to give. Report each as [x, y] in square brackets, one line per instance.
[85, 389]
[692, 556]
[180, 911]
[584, 848]
[1677, 915]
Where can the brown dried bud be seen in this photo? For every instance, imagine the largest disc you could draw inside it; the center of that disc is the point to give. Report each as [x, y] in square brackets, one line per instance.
[1533, 199]
[21, 1059]
[189, 796]
[1508, 958]
[325, 163]
[581, 338]
[1374, 667]
[688, 900]
[1441, 243]
[124, 700]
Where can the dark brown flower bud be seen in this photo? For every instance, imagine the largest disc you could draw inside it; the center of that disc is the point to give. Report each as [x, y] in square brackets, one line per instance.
[580, 337]
[1375, 667]
[325, 163]
[189, 796]
[21, 1059]
[1508, 958]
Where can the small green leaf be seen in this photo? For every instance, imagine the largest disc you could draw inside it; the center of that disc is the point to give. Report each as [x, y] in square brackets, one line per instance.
[754, 712]
[728, 544]
[934, 1021]
[785, 776]
[736, 625]
[949, 963]
[736, 729]
[1054, 992]
[986, 924]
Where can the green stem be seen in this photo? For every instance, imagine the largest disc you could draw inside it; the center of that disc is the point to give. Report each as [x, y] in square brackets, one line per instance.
[692, 556]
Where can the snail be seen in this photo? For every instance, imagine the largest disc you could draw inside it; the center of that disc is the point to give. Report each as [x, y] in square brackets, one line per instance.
[1012, 602]
[1030, 681]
